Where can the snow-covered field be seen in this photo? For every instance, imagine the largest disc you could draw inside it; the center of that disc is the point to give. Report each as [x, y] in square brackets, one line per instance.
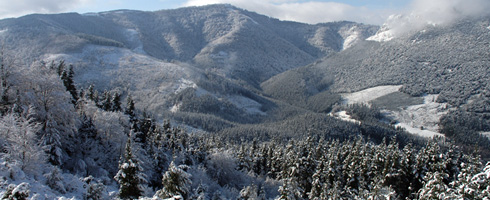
[364, 96]
[344, 116]
[421, 119]
[418, 119]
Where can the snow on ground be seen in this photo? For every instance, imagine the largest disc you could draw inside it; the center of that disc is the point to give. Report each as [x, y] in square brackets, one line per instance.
[486, 134]
[133, 36]
[149, 80]
[418, 131]
[421, 119]
[364, 96]
[342, 115]
[350, 36]
[250, 106]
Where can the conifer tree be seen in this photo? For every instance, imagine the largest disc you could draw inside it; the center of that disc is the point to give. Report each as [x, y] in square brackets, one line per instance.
[434, 188]
[4, 78]
[106, 103]
[175, 182]
[91, 94]
[130, 110]
[130, 178]
[116, 103]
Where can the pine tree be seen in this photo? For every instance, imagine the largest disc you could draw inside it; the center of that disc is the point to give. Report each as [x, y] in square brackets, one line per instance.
[480, 183]
[86, 144]
[462, 187]
[92, 94]
[129, 176]
[318, 181]
[175, 182]
[4, 79]
[289, 190]
[116, 103]
[434, 188]
[106, 103]
[130, 111]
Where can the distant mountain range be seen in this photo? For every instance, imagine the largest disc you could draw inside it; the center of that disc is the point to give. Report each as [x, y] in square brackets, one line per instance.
[230, 65]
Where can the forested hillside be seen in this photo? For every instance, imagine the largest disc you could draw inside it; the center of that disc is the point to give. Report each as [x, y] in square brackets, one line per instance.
[58, 140]
[449, 61]
[216, 102]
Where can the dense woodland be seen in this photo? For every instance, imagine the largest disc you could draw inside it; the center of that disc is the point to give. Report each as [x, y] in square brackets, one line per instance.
[84, 142]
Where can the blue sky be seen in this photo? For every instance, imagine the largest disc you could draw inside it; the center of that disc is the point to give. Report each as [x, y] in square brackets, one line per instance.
[308, 11]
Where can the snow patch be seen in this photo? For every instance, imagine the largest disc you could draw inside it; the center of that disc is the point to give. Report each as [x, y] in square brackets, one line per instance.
[364, 96]
[250, 106]
[421, 119]
[488, 27]
[3, 31]
[486, 134]
[418, 131]
[342, 115]
[184, 84]
[351, 36]
[133, 36]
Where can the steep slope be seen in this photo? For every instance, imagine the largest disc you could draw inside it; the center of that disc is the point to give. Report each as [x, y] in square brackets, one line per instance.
[236, 43]
[205, 60]
[449, 63]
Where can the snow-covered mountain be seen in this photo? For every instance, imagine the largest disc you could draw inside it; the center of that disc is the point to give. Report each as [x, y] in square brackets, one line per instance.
[444, 65]
[154, 54]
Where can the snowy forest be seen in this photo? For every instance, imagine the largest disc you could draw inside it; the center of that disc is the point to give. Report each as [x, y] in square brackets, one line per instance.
[60, 141]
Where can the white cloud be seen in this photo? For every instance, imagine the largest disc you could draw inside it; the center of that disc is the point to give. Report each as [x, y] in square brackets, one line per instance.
[446, 11]
[434, 12]
[16, 8]
[305, 11]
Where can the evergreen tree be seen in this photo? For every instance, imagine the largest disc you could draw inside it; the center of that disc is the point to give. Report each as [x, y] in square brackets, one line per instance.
[116, 103]
[434, 188]
[4, 79]
[106, 103]
[289, 190]
[86, 146]
[129, 176]
[130, 111]
[92, 94]
[175, 182]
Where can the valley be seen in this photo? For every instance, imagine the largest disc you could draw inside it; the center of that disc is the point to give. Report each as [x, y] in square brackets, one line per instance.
[239, 105]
